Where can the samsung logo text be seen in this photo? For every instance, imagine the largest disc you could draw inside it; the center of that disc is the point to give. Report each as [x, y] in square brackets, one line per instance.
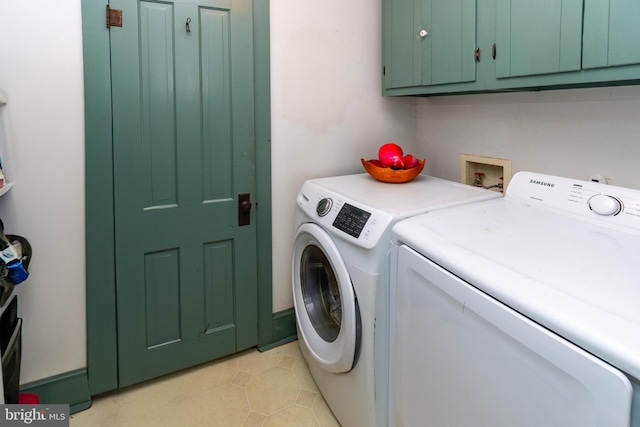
[544, 184]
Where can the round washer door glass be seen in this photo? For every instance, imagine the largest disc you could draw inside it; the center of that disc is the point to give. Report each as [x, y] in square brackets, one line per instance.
[327, 314]
[320, 293]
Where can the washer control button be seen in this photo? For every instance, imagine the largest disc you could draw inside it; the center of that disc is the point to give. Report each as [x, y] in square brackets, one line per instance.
[324, 206]
[605, 205]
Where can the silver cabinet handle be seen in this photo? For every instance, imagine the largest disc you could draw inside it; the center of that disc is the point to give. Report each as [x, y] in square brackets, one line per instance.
[423, 33]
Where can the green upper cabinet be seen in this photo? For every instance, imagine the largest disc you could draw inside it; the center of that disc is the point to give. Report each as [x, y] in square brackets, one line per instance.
[429, 42]
[611, 33]
[428, 45]
[538, 37]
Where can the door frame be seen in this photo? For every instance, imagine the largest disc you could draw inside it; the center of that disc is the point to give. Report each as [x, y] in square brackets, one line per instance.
[102, 350]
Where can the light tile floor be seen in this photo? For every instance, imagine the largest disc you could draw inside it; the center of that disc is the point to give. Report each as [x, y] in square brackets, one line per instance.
[270, 389]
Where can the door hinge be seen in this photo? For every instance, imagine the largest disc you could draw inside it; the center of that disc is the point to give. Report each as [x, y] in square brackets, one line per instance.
[114, 17]
[384, 71]
[493, 51]
[476, 54]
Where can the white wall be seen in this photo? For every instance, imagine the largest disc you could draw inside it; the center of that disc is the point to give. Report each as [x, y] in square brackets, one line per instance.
[42, 148]
[327, 111]
[571, 133]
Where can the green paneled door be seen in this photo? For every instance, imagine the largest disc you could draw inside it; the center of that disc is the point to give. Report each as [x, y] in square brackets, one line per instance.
[429, 42]
[538, 37]
[182, 82]
[611, 33]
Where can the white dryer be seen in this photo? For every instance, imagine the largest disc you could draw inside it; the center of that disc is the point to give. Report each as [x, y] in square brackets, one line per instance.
[521, 311]
[340, 281]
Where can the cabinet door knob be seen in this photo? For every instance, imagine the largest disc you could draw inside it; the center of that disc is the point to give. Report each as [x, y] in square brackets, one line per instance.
[423, 33]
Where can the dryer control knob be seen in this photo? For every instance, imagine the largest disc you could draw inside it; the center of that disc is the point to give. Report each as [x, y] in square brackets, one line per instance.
[324, 206]
[605, 205]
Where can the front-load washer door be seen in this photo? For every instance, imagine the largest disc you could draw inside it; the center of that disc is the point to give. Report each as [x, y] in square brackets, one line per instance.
[326, 307]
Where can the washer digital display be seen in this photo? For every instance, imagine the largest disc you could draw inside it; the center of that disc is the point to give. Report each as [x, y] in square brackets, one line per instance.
[351, 220]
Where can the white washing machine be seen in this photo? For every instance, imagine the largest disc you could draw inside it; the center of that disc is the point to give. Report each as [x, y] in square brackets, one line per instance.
[340, 281]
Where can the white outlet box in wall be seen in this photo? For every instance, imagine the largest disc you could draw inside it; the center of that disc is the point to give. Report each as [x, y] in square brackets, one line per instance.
[496, 171]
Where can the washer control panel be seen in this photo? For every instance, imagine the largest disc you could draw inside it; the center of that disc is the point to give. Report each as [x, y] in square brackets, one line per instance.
[351, 220]
[600, 202]
[344, 218]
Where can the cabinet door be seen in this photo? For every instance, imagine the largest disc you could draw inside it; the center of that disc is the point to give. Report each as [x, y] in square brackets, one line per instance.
[538, 37]
[429, 42]
[399, 40]
[611, 33]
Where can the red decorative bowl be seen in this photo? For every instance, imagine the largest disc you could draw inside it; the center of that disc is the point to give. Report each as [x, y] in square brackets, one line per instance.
[393, 176]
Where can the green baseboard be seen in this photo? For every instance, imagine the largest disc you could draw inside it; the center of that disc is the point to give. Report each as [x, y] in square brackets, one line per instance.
[71, 388]
[283, 329]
